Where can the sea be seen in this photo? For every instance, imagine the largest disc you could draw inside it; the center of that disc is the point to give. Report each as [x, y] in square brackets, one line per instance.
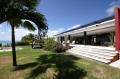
[5, 43]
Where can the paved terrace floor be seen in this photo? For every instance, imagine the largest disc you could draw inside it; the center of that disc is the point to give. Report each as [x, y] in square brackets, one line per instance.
[116, 64]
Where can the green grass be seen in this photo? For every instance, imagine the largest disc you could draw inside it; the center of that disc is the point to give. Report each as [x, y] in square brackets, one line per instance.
[40, 64]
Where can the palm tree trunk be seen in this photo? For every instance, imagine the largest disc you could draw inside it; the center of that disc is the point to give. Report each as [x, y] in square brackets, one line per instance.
[13, 46]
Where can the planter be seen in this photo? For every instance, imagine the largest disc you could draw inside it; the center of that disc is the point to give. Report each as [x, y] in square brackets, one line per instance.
[119, 55]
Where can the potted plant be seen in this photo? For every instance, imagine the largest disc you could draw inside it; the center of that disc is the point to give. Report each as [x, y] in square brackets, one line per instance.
[111, 37]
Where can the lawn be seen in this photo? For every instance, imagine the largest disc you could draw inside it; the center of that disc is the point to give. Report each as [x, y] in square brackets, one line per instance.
[40, 64]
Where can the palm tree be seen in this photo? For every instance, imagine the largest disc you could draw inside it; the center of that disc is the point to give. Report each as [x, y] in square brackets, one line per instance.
[14, 11]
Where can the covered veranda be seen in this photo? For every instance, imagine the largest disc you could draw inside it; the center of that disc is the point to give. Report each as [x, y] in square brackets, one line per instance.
[94, 40]
[95, 33]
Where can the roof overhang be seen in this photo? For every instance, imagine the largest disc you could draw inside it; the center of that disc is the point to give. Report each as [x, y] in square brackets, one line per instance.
[103, 27]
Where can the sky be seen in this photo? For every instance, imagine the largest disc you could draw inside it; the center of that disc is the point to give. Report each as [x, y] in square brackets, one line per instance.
[64, 15]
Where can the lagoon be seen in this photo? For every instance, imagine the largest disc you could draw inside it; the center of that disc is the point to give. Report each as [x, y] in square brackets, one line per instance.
[5, 43]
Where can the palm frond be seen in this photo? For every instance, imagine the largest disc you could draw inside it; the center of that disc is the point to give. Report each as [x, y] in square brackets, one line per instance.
[13, 13]
[2, 16]
[29, 26]
[4, 3]
[28, 4]
[35, 17]
[17, 22]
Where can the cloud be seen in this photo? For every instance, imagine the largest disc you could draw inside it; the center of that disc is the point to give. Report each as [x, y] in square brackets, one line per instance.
[51, 33]
[19, 33]
[73, 27]
[112, 5]
[0, 25]
[115, 2]
[2, 32]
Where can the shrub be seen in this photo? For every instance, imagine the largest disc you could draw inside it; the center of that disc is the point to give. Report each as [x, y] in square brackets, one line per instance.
[21, 43]
[39, 41]
[60, 48]
[27, 38]
[64, 48]
[50, 44]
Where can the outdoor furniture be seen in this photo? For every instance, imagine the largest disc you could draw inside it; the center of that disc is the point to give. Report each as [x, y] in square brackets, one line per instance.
[73, 42]
[68, 41]
[33, 44]
[63, 43]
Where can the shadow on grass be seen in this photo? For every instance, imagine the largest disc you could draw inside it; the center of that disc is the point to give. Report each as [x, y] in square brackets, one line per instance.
[64, 64]
[25, 66]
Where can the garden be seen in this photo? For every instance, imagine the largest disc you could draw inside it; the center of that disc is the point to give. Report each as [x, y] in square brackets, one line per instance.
[49, 61]
[52, 62]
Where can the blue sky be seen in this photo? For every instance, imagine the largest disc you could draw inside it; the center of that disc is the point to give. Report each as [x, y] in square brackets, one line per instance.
[62, 15]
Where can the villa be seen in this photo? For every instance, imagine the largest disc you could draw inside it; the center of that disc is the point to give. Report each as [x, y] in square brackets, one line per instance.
[92, 40]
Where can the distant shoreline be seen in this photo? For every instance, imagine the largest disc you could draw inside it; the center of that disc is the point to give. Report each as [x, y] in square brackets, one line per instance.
[5, 42]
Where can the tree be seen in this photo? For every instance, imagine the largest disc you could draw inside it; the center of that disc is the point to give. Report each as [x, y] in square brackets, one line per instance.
[14, 11]
[28, 38]
[41, 33]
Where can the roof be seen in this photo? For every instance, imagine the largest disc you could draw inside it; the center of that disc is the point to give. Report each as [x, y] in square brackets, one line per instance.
[89, 24]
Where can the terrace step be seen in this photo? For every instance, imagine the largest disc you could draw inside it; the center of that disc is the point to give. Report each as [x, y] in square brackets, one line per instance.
[94, 58]
[95, 49]
[98, 52]
[95, 55]
[101, 54]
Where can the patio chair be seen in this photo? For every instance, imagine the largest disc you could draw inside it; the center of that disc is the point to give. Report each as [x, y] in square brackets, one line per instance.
[68, 44]
[68, 41]
[63, 43]
[32, 44]
[73, 42]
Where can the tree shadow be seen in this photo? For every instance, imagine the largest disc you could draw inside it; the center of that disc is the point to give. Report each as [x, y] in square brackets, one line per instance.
[37, 71]
[65, 65]
[25, 66]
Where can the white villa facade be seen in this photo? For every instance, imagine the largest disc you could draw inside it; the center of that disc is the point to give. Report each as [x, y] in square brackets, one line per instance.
[95, 35]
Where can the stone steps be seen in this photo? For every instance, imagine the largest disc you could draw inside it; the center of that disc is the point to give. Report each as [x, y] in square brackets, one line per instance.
[95, 55]
[104, 55]
[96, 51]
